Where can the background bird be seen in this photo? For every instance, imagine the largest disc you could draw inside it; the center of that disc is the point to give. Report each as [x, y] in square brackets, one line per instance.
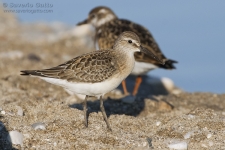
[108, 27]
[96, 73]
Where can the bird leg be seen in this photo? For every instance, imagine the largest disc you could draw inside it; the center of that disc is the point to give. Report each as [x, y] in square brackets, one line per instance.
[104, 114]
[124, 88]
[85, 111]
[137, 85]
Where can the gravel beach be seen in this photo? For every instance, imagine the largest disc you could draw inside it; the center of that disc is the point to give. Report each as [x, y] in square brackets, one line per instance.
[38, 115]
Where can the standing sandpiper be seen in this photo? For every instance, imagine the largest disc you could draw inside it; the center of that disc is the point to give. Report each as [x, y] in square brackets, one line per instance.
[98, 72]
[109, 27]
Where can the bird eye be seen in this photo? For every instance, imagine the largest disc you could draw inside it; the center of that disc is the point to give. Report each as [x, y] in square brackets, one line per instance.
[129, 41]
[93, 15]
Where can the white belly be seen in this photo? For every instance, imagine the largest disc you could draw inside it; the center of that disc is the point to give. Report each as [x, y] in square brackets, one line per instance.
[91, 89]
[141, 68]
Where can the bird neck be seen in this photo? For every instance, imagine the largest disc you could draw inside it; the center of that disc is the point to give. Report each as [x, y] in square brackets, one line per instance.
[125, 60]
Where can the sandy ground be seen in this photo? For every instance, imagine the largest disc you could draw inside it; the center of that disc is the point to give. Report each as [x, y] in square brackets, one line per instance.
[157, 119]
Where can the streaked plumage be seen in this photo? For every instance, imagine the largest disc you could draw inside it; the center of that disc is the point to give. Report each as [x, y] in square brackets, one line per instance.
[95, 73]
[90, 68]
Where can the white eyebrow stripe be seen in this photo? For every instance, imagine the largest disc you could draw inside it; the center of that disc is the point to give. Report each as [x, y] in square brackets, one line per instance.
[102, 11]
[127, 39]
[130, 39]
[102, 21]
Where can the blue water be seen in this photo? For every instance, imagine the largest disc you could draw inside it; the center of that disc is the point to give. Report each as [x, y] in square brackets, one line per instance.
[191, 32]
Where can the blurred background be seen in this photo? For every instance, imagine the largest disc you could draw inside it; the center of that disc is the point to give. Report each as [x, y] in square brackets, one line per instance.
[191, 32]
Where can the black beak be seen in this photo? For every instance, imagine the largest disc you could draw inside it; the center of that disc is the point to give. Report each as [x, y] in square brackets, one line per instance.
[147, 52]
[83, 22]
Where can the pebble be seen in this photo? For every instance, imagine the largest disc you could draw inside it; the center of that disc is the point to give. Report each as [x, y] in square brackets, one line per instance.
[145, 144]
[203, 145]
[3, 112]
[188, 135]
[38, 125]
[168, 83]
[209, 135]
[158, 123]
[149, 140]
[19, 111]
[128, 99]
[210, 143]
[15, 137]
[33, 57]
[178, 146]
[191, 116]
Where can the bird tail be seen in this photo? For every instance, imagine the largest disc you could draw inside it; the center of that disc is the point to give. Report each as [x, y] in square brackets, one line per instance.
[169, 64]
[30, 72]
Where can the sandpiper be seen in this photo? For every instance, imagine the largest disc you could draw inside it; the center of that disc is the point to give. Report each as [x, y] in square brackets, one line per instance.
[109, 27]
[97, 72]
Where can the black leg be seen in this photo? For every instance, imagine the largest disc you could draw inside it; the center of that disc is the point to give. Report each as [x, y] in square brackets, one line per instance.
[104, 114]
[85, 111]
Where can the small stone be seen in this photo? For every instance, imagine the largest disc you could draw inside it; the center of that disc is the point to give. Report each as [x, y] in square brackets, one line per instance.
[209, 135]
[149, 140]
[158, 123]
[145, 144]
[188, 135]
[178, 146]
[128, 99]
[191, 116]
[168, 83]
[33, 57]
[15, 137]
[38, 125]
[3, 112]
[210, 143]
[20, 111]
[203, 145]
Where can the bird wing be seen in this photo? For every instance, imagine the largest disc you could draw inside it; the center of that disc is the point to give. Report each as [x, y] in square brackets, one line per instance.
[90, 68]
